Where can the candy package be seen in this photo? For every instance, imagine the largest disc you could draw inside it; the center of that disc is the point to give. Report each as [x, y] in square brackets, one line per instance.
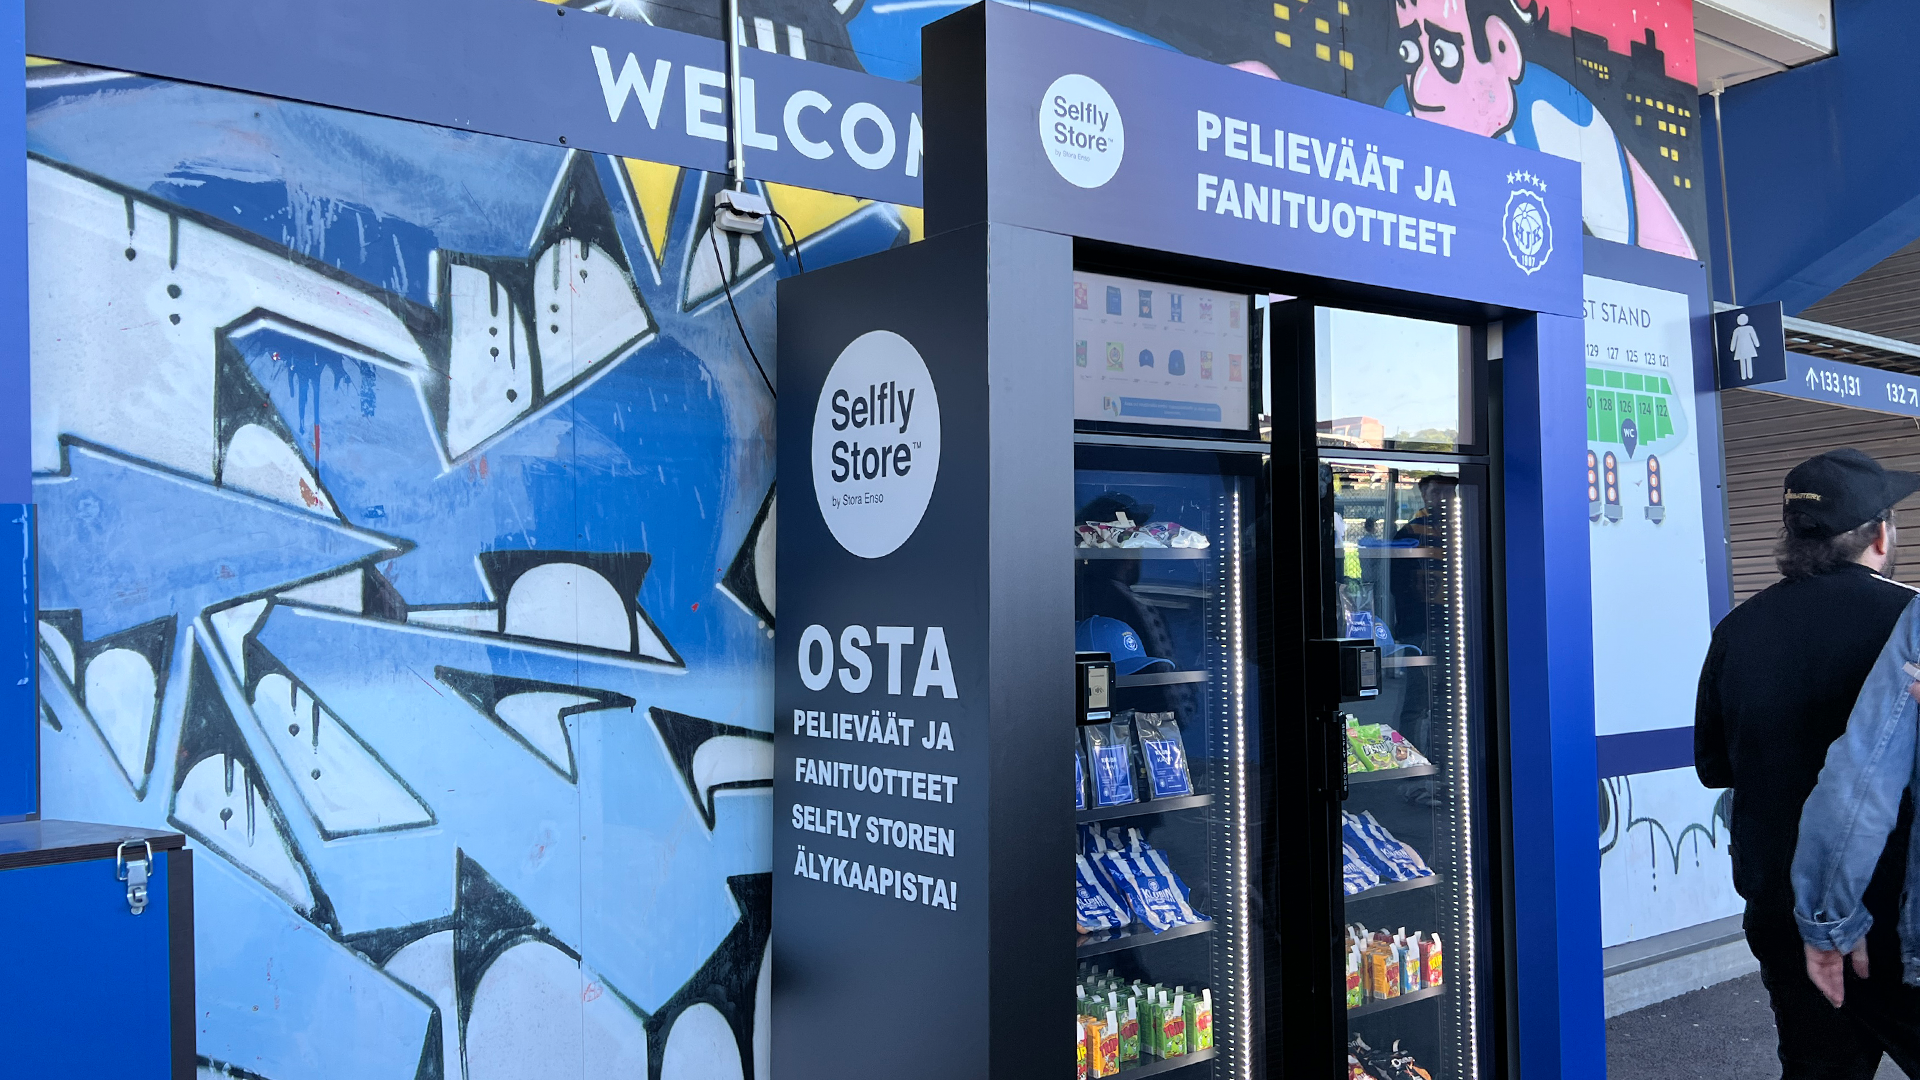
[1163, 755]
[1110, 762]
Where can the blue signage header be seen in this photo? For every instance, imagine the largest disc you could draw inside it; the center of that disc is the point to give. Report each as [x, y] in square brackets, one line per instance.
[1853, 385]
[1100, 137]
[522, 69]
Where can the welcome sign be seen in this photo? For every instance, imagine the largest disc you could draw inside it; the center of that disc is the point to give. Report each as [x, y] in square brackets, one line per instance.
[1100, 137]
[524, 70]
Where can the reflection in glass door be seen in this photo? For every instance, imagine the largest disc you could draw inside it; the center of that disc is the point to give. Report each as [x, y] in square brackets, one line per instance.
[1405, 551]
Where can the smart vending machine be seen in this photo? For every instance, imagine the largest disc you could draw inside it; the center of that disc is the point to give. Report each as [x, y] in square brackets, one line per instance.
[1160, 477]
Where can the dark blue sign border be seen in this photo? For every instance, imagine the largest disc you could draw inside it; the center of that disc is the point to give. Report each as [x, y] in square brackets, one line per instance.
[522, 69]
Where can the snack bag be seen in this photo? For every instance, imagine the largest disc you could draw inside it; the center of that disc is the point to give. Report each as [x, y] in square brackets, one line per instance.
[1405, 756]
[1355, 875]
[1372, 745]
[1095, 908]
[1401, 1066]
[1200, 1022]
[1110, 760]
[1163, 755]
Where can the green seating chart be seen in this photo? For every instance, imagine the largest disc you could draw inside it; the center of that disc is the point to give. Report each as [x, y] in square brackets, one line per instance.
[1614, 396]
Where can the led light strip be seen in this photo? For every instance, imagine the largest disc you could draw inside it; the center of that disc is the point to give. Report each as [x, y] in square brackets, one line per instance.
[1243, 947]
[1463, 792]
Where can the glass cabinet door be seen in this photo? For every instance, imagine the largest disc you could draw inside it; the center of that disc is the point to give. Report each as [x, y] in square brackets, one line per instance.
[1166, 918]
[1405, 555]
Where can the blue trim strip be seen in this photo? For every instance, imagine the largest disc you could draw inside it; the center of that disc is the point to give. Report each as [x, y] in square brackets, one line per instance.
[1635, 752]
[1556, 863]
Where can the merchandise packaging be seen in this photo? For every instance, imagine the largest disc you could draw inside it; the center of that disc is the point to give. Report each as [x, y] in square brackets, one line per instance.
[1142, 876]
[1373, 845]
[1080, 1035]
[1079, 777]
[1432, 964]
[1392, 1064]
[1356, 875]
[1130, 1031]
[1163, 755]
[1377, 747]
[1095, 906]
[1141, 1022]
[1110, 761]
[1173, 1025]
[1382, 965]
[1199, 1017]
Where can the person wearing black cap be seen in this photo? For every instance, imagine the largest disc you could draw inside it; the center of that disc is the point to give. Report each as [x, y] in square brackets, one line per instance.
[1779, 682]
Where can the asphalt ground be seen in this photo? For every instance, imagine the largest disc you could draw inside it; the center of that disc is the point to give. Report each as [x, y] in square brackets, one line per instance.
[1722, 1031]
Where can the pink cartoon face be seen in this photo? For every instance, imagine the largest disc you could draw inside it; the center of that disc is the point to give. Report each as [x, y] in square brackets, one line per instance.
[1453, 75]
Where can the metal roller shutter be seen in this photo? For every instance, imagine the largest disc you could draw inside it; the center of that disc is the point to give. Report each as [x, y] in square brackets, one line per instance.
[1766, 435]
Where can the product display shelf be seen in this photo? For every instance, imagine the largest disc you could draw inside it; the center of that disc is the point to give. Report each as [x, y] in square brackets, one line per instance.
[1142, 808]
[1163, 678]
[1391, 887]
[1141, 553]
[1383, 1004]
[1133, 939]
[1400, 553]
[1153, 1066]
[1377, 775]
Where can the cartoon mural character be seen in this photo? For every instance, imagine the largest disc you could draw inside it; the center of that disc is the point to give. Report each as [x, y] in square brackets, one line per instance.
[1745, 346]
[1465, 69]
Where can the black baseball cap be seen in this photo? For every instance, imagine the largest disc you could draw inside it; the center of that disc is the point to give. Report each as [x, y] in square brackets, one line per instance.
[1841, 490]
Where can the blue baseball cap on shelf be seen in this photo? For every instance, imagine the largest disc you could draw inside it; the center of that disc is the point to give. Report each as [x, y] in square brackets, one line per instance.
[1101, 634]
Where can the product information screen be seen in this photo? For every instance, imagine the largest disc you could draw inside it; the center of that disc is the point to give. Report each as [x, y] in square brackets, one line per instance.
[1167, 355]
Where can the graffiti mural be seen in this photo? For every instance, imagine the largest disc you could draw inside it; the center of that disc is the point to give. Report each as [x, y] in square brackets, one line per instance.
[406, 505]
[1607, 83]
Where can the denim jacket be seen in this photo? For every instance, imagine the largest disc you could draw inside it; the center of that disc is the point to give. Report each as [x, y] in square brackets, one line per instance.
[1845, 823]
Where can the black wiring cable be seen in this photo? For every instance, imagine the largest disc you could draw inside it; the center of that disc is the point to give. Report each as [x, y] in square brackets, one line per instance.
[798, 261]
[726, 282]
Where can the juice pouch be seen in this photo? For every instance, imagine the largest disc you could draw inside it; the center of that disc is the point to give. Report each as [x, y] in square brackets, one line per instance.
[1410, 979]
[1164, 755]
[1383, 973]
[1110, 1045]
[1094, 1031]
[1432, 965]
[1174, 1028]
[1080, 1037]
[1110, 760]
[1200, 1022]
[1130, 1032]
[1356, 994]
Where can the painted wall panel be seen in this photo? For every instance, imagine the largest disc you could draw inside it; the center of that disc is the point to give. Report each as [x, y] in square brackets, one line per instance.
[406, 505]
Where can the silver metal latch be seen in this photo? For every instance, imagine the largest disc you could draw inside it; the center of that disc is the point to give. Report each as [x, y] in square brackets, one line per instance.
[134, 872]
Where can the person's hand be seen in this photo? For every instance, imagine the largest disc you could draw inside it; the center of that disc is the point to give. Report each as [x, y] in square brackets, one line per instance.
[1913, 690]
[1824, 968]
